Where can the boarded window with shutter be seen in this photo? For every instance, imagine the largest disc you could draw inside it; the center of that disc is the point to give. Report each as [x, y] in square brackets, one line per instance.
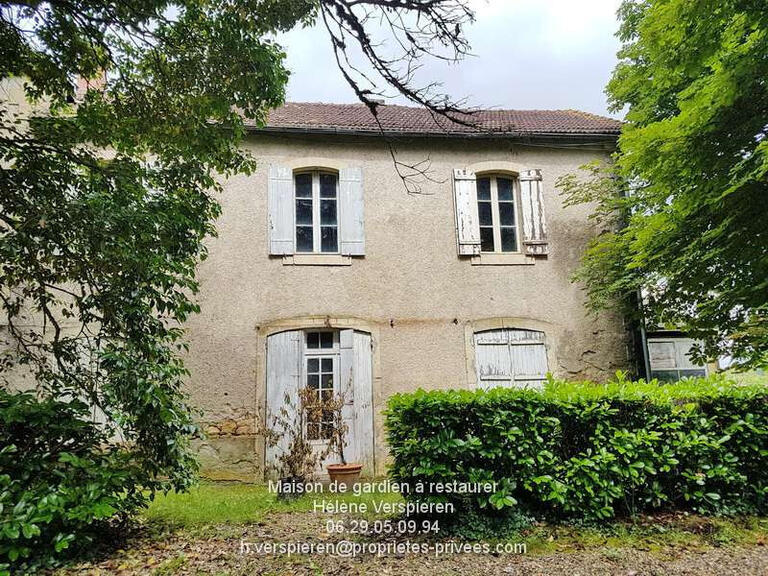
[510, 358]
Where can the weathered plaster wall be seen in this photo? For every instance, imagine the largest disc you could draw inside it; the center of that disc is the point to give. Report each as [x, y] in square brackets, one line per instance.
[411, 288]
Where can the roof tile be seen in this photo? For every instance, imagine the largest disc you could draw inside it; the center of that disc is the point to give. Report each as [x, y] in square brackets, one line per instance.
[410, 120]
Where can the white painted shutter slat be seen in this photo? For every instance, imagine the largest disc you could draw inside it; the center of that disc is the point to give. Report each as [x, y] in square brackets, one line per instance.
[467, 219]
[283, 380]
[281, 206]
[351, 211]
[363, 404]
[346, 387]
[532, 208]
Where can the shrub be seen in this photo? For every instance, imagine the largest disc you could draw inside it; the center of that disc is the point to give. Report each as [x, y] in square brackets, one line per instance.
[60, 480]
[582, 450]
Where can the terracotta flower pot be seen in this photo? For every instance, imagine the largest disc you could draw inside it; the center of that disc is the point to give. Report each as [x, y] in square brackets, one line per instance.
[347, 474]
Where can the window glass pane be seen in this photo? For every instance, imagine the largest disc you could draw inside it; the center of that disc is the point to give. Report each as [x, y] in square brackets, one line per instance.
[313, 430]
[326, 339]
[508, 240]
[483, 188]
[486, 239]
[304, 211]
[486, 216]
[328, 239]
[504, 189]
[303, 185]
[327, 382]
[304, 241]
[313, 365]
[327, 364]
[327, 185]
[313, 339]
[327, 430]
[693, 373]
[328, 212]
[665, 375]
[313, 381]
[506, 213]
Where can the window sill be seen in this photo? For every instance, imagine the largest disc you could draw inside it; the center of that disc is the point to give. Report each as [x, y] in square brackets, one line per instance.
[317, 260]
[512, 259]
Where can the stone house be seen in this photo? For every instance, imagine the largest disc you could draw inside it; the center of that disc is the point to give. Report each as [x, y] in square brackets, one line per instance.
[327, 273]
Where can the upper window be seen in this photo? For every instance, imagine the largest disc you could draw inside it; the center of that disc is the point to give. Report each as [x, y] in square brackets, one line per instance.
[497, 212]
[317, 222]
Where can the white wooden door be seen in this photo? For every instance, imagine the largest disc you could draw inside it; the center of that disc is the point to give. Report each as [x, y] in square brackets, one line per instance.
[337, 361]
[510, 358]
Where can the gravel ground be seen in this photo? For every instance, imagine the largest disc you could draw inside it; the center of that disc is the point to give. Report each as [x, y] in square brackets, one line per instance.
[221, 552]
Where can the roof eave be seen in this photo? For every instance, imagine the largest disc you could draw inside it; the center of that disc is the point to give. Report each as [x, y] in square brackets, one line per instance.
[517, 136]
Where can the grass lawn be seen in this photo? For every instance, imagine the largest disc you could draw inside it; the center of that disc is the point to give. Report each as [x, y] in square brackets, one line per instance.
[230, 503]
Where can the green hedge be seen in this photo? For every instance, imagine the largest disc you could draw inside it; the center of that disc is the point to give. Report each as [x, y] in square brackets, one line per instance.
[589, 451]
[60, 482]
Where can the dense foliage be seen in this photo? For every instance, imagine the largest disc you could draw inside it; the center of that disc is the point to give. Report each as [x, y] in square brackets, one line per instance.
[586, 450]
[58, 487]
[684, 205]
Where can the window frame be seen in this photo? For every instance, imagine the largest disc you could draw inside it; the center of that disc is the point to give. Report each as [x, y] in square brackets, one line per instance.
[317, 226]
[319, 353]
[496, 211]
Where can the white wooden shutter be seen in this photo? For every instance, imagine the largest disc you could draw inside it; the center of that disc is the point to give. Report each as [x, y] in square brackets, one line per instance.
[357, 386]
[352, 221]
[284, 355]
[532, 208]
[281, 206]
[510, 358]
[467, 219]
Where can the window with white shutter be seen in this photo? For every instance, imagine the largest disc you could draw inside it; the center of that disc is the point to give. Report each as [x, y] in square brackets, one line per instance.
[316, 212]
[500, 215]
[510, 358]
[670, 361]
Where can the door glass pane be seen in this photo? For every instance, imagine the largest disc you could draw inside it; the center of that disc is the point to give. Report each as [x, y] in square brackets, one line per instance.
[328, 239]
[327, 364]
[304, 242]
[313, 381]
[327, 382]
[313, 365]
[313, 339]
[486, 239]
[485, 213]
[303, 185]
[506, 213]
[328, 212]
[326, 339]
[304, 211]
[508, 240]
[483, 188]
[327, 185]
[504, 189]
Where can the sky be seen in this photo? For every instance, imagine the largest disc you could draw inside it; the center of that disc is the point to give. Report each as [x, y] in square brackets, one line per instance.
[526, 54]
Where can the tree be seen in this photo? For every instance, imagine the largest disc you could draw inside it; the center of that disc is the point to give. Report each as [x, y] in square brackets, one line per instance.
[108, 185]
[684, 204]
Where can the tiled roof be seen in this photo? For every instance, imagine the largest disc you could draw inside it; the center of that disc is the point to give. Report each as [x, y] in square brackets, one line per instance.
[409, 120]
